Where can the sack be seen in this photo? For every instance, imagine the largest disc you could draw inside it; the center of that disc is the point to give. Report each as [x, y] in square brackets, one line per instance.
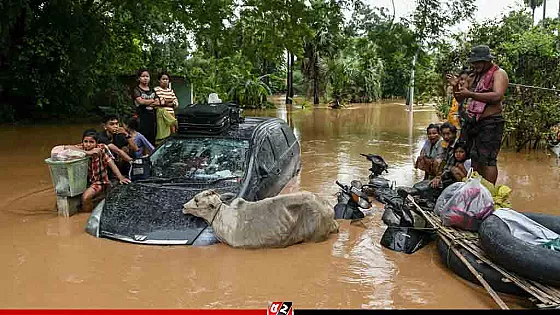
[235, 116]
[405, 239]
[468, 206]
[204, 118]
[424, 190]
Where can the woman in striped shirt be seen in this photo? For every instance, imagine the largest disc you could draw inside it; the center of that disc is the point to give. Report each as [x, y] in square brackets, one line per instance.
[166, 121]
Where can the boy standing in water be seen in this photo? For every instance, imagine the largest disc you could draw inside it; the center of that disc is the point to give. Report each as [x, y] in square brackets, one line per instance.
[100, 158]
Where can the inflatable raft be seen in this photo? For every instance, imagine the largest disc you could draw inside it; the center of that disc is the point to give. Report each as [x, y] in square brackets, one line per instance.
[491, 275]
[516, 255]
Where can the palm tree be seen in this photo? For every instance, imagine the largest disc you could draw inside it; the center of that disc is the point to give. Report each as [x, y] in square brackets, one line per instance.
[533, 4]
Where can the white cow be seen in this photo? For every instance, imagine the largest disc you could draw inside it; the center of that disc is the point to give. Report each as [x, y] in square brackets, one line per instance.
[273, 222]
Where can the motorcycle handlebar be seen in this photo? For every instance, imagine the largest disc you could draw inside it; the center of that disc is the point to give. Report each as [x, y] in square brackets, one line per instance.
[341, 186]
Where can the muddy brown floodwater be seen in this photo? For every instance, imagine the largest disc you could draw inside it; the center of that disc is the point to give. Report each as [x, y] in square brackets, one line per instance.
[50, 262]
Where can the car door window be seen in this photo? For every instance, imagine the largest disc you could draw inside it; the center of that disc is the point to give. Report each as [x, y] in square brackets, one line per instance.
[265, 158]
[279, 142]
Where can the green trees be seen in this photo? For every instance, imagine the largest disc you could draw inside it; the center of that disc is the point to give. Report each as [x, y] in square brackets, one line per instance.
[64, 57]
[530, 56]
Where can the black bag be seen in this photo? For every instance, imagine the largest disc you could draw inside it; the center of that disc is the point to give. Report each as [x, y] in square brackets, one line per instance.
[204, 118]
[235, 113]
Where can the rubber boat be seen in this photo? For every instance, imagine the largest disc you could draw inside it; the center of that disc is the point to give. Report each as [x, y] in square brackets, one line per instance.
[530, 261]
[490, 275]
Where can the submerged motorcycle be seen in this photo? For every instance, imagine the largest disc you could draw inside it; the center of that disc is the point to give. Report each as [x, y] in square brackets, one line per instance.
[377, 183]
[351, 199]
[406, 230]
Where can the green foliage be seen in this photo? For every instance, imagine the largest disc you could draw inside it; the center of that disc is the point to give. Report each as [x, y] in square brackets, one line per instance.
[442, 107]
[230, 77]
[529, 115]
[69, 56]
[531, 57]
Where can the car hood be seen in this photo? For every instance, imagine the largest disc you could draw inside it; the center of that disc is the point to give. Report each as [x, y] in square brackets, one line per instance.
[153, 214]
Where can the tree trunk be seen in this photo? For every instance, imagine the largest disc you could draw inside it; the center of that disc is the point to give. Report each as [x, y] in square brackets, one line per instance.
[264, 72]
[315, 86]
[288, 79]
[544, 14]
[537, 141]
[291, 74]
[533, 15]
[411, 91]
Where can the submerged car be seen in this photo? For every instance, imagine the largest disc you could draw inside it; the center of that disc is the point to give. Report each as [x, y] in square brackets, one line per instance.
[253, 159]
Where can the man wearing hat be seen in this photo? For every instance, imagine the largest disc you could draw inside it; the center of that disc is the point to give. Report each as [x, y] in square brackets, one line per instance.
[485, 123]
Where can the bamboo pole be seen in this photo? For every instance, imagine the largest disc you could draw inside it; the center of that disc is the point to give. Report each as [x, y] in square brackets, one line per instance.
[480, 279]
[522, 283]
[529, 287]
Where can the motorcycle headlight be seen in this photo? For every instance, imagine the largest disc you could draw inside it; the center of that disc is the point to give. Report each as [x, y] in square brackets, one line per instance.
[363, 203]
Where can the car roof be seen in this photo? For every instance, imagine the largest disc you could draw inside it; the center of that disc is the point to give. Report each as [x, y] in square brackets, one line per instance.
[244, 130]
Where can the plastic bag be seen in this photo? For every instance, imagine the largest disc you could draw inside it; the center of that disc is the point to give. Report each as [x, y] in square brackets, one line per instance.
[553, 245]
[469, 205]
[60, 154]
[501, 193]
[446, 195]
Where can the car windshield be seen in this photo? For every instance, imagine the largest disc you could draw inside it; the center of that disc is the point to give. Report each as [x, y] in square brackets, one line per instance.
[200, 158]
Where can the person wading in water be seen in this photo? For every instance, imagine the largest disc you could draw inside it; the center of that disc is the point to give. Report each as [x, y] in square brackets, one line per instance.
[485, 124]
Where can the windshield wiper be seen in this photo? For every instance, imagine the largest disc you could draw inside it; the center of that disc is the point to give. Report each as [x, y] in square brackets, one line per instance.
[225, 178]
[160, 179]
[200, 182]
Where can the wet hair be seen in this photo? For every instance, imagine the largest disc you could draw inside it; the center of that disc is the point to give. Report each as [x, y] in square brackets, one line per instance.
[132, 123]
[108, 118]
[161, 74]
[140, 71]
[462, 145]
[90, 133]
[432, 126]
[448, 125]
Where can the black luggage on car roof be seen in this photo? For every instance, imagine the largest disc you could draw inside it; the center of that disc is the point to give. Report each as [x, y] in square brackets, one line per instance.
[208, 118]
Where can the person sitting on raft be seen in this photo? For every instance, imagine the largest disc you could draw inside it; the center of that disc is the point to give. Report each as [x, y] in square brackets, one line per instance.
[100, 158]
[432, 153]
[459, 170]
[449, 134]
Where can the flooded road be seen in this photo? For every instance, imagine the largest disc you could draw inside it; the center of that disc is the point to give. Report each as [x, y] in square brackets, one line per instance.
[50, 262]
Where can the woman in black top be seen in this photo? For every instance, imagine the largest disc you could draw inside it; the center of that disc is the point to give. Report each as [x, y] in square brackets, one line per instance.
[145, 99]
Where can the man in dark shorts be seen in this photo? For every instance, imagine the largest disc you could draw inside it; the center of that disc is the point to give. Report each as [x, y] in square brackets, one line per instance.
[485, 125]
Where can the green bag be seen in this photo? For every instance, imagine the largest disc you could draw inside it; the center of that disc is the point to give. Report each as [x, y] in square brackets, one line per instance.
[554, 245]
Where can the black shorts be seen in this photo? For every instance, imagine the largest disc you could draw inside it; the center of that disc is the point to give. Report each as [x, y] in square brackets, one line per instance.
[485, 139]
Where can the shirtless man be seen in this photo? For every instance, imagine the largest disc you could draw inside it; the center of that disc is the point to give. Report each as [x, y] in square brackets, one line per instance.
[485, 127]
